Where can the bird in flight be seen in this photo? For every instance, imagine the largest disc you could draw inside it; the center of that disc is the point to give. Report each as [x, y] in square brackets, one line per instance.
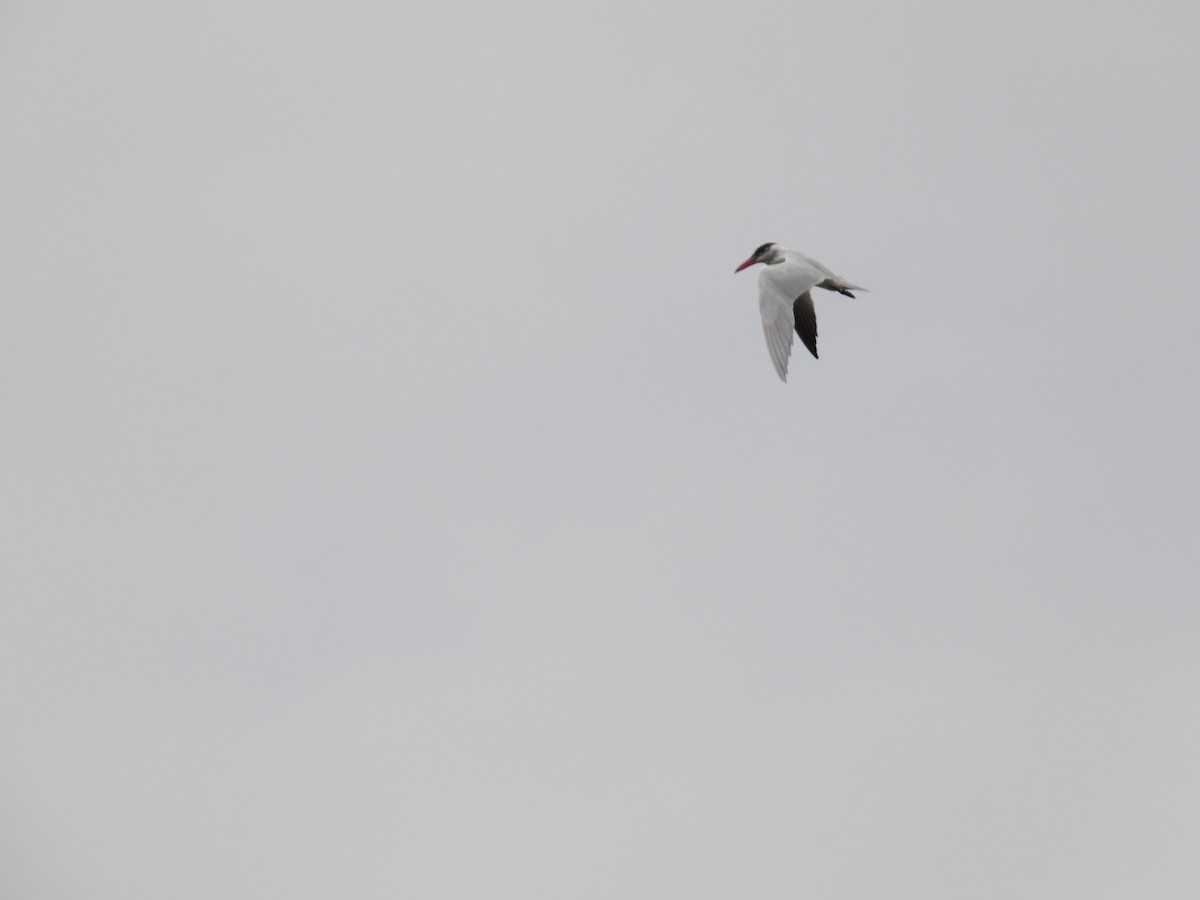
[785, 298]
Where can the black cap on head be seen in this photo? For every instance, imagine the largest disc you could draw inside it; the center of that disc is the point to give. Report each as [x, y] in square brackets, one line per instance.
[764, 248]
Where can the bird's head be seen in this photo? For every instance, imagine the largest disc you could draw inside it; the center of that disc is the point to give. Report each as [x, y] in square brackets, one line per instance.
[767, 253]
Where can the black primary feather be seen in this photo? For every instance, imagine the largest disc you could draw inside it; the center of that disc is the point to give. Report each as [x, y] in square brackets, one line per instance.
[806, 322]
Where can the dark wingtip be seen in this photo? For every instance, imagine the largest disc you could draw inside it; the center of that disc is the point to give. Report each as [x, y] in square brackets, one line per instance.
[847, 293]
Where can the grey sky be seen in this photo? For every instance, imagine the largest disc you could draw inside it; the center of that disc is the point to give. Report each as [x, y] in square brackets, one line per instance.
[399, 500]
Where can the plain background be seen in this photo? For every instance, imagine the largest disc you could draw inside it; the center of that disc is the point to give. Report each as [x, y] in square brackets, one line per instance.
[398, 499]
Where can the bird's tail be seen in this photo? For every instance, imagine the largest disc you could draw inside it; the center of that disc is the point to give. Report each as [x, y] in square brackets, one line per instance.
[841, 287]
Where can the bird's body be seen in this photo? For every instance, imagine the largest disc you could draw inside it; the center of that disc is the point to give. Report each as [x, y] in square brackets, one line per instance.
[785, 298]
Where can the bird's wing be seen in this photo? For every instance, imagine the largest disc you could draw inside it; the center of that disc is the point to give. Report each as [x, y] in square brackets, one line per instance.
[781, 287]
[777, 329]
[806, 321]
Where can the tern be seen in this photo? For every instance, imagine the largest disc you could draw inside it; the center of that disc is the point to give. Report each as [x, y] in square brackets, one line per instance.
[785, 299]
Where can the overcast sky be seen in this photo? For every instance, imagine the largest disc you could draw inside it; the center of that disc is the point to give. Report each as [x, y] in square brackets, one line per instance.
[398, 500]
